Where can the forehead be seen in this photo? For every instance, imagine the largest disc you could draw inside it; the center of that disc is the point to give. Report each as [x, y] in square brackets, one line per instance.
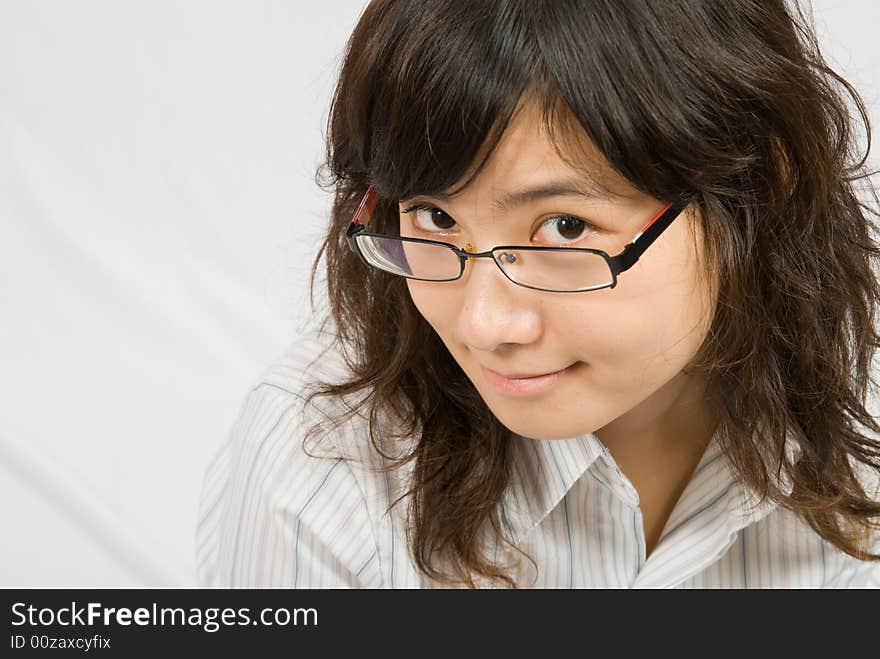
[530, 151]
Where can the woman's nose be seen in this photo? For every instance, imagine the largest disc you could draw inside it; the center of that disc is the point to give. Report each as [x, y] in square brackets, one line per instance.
[494, 310]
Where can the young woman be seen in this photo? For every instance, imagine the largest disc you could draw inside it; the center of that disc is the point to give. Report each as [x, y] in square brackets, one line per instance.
[602, 313]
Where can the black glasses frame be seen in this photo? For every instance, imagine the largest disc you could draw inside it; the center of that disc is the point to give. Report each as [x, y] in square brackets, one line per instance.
[616, 264]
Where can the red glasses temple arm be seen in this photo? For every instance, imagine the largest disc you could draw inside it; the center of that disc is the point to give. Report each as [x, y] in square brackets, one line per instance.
[366, 207]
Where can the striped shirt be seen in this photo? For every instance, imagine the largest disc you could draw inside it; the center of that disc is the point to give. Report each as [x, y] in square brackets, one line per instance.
[272, 516]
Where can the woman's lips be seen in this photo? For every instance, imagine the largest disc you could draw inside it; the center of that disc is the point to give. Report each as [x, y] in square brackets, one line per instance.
[519, 386]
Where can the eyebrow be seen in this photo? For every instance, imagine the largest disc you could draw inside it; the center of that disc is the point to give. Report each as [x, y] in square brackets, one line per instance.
[589, 189]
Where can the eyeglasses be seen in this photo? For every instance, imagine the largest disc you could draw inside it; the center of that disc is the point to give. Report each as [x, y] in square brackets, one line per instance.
[552, 269]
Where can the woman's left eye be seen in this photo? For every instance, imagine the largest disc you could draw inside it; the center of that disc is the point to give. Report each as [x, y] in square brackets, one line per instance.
[569, 228]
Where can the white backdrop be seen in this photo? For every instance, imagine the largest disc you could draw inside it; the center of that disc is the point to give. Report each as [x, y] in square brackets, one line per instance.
[158, 218]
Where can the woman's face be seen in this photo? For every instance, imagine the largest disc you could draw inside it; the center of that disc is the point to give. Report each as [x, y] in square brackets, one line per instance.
[627, 346]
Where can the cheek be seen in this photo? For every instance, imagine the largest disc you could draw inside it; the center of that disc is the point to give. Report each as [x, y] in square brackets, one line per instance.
[656, 318]
[669, 331]
[437, 307]
[678, 327]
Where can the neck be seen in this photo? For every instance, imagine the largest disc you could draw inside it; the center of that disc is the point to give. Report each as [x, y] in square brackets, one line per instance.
[672, 424]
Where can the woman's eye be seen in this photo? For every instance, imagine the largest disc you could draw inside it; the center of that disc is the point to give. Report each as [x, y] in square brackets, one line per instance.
[570, 229]
[429, 218]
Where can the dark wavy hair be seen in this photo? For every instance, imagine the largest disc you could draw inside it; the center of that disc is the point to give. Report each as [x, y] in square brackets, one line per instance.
[737, 90]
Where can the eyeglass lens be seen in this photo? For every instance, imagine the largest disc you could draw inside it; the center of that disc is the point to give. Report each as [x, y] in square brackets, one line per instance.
[549, 269]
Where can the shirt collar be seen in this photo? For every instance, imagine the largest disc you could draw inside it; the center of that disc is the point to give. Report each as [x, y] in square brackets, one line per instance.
[544, 470]
[714, 507]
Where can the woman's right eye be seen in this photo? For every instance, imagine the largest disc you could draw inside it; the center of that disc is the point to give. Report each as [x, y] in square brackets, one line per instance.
[429, 218]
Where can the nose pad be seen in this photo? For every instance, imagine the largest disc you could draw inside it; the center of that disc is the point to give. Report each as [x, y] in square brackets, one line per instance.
[470, 249]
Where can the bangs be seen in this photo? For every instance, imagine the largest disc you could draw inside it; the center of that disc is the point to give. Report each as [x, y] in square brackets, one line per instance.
[428, 89]
[449, 80]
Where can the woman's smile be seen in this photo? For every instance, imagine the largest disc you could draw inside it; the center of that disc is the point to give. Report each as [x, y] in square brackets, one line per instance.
[524, 386]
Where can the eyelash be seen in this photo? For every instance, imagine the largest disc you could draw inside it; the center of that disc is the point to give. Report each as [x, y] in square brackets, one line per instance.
[589, 227]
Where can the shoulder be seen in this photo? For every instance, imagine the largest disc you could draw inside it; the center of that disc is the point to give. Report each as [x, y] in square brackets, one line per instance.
[839, 569]
[782, 549]
[860, 573]
[275, 510]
